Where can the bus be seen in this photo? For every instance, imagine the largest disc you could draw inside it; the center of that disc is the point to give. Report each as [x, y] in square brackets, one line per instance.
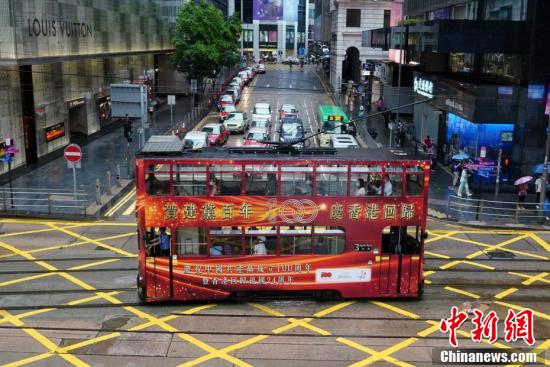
[254, 222]
[332, 120]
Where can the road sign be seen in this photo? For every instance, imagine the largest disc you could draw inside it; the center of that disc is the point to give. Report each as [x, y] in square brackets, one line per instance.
[171, 99]
[302, 51]
[73, 153]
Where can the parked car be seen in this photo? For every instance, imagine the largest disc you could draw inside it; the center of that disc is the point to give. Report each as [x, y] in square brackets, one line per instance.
[238, 80]
[292, 133]
[217, 134]
[236, 122]
[261, 123]
[261, 110]
[233, 95]
[237, 93]
[225, 100]
[195, 140]
[254, 138]
[260, 69]
[226, 110]
[251, 73]
[235, 84]
[343, 141]
[287, 109]
[244, 76]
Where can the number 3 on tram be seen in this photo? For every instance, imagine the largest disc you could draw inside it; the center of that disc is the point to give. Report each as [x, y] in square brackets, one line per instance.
[226, 222]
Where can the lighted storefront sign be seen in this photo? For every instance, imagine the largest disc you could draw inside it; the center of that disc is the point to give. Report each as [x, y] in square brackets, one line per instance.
[55, 131]
[423, 87]
[76, 103]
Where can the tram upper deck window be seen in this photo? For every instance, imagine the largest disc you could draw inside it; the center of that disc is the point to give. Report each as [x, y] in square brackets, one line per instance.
[414, 185]
[296, 180]
[225, 180]
[189, 180]
[157, 179]
[395, 175]
[332, 180]
[364, 180]
[191, 241]
[261, 179]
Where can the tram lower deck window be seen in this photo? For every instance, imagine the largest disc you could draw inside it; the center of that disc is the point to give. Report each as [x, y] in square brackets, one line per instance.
[191, 241]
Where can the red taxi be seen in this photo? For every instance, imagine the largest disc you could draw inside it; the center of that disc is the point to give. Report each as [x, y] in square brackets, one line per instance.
[217, 134]
[255, 137]
[226, 99]
[287, 109]
[226, 110]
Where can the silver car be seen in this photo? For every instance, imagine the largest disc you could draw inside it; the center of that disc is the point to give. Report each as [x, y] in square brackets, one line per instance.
[236, 122]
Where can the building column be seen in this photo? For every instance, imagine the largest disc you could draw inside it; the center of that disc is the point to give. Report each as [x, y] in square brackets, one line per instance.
[281, 40]
[256, 39]
[296, 39]
[231, 7]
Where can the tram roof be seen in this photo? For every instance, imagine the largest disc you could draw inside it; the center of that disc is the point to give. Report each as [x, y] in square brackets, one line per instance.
[273, 153]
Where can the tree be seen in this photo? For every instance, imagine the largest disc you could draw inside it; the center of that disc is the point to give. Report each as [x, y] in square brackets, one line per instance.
[204, 41]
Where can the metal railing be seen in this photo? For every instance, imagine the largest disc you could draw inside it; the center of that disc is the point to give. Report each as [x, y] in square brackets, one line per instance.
[48, 201]
[463, 209]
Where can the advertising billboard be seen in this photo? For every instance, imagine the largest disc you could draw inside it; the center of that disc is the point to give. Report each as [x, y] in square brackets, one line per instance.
[267, 9]
[290, 11]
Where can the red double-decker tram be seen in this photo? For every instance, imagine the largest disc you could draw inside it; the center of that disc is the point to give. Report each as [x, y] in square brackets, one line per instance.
[319, 222]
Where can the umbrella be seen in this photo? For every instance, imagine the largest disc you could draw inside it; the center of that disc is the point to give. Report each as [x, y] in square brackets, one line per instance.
[539, 168]
[522, 180]
[461, 156]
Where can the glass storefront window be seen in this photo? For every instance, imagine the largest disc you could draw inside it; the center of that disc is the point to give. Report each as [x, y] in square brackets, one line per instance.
[461, 62]
[502, 65]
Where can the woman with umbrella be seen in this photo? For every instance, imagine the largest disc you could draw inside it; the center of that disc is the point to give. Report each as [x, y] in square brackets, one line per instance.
[521, 183]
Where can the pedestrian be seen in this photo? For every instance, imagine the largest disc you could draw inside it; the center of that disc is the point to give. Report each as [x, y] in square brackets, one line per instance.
[538, 189]
[464, 174]
[164, 241]
[259, 246]
[427, 143]
[362, 188]
[522, 193]
[456, 168]
[432, 153]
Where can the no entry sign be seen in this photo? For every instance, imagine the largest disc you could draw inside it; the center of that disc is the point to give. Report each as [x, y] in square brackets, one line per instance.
[73, 153]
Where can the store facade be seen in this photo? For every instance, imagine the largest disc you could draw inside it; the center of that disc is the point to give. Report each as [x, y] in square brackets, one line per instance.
[462, 117]
[59, 59]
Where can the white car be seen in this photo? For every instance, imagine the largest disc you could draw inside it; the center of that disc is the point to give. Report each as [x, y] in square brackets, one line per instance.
[238, 80]
[261, 111]
[244, 76]
[343, 141]
[196, 140]
[236, 122]
[237, 93]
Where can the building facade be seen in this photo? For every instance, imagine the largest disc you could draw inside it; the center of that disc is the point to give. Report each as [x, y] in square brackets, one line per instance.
[348, 19]
[57, 61]
[273, 30]
[482, 68]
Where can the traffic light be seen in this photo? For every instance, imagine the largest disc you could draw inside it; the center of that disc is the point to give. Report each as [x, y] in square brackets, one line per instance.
[128, 132]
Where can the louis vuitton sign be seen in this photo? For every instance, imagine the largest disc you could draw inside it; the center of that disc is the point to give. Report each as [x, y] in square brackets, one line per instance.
[58, 28]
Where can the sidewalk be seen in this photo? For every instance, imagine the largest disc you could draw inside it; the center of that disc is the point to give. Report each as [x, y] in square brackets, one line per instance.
[441, 192]
[104, 153]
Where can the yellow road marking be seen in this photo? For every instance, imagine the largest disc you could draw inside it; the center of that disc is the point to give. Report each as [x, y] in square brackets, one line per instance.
[428, 273]
[460, 291]
[396, 309]
[118, 205]
[85, 266]
[533, 279]
[333, 309]
[542, 315]
[528, 276]
[376, 356]
[25, 279]
[505, 293]
[267, 310]
[96, 242]
[540, 241]
[33, 231]
[479, 265]
[538, 350]
[430, 330]
[92, 298]
[42, 340]
[502, 249]
[497, 246]
[131, 209]
[88, 342]
[451, 264]
[439, 237]
[437, 255]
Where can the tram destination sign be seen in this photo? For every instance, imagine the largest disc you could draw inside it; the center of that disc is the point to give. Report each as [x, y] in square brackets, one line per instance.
[335, 118]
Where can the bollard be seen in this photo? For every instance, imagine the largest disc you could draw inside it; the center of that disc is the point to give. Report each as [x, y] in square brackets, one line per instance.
[109, 190]
[97, 192]
[118, 183]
